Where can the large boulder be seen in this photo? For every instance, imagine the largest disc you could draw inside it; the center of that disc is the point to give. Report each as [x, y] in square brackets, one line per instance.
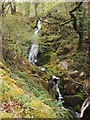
[73, 101]
[70, 88]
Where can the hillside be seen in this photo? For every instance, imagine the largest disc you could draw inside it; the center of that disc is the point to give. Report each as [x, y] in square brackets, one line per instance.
[28, 89]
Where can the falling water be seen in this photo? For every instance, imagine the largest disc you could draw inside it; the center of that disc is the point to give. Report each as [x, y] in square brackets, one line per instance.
[35, 47]
[57, 79]
[33, 59]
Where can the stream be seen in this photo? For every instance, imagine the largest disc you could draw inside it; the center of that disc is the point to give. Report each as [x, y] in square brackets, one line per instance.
[56, 80]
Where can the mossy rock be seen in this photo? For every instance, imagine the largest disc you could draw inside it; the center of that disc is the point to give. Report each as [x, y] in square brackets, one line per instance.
[63, 51]
[5, 115]
[73, 101]
[8, 85]
[43, 59]
[33, 22]
[40, 110]
[8, 79]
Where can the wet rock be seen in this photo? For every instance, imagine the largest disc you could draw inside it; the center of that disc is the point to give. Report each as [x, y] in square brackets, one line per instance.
[82, 74]
[50, 85]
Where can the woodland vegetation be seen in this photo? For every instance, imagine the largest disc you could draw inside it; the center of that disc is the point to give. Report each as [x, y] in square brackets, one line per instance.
[25, 90]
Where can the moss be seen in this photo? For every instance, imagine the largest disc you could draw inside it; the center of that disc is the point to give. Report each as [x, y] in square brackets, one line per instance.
[8, 86]
[36, 107]
[2, 72]
[4, 67]
[77, 107]
[5, 115]
[8, 79]
[40, 110]
[43, 59]
[73, 100]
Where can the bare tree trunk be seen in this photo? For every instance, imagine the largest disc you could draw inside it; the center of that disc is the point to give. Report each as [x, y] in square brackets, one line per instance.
[85, 104]
[80, 33]
[13, 8]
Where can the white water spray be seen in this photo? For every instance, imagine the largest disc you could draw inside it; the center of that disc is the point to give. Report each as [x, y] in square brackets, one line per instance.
[35, 47]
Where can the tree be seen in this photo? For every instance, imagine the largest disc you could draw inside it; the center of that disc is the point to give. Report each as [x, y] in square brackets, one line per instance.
[78, 26]
[13, 7]
[6, 6]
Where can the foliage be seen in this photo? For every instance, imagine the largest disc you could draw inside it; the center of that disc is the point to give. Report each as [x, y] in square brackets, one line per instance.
[32, 96]
[62, 112]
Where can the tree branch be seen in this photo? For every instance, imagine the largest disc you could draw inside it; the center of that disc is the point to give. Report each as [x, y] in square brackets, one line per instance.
[4, 6]
[73, 10]
[62, 24]
[85, 104]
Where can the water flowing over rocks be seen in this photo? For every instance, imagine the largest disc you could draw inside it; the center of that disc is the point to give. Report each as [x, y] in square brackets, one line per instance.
[32, 58]
[47, 71]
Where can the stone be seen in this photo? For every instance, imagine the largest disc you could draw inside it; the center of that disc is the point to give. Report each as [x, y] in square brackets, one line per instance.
[70, 88]
[82, 74]
[64, 65]
[72, 73]
[73, 100]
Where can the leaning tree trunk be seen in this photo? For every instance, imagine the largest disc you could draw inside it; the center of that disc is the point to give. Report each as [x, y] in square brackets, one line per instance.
[77, 28]
[13, 8]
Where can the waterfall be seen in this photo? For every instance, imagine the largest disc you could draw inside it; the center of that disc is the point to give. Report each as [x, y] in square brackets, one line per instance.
[33, 59]
[35, 47]
[33, 53]
[57, 79]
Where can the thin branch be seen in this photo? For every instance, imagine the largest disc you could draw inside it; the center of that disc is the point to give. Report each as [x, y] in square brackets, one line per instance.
[73, 10]
[4, 7]
[66, 22]
[62, 24]
[84, 87]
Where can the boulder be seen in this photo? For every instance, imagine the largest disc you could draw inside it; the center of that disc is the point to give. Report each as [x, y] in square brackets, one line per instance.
[73, 101]
[64, 65]
[72, 73]
[70, 88]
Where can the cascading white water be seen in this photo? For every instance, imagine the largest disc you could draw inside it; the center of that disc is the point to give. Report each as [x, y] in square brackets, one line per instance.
[57, 79]
[33, 53]
[35, 47]
[33, 59]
